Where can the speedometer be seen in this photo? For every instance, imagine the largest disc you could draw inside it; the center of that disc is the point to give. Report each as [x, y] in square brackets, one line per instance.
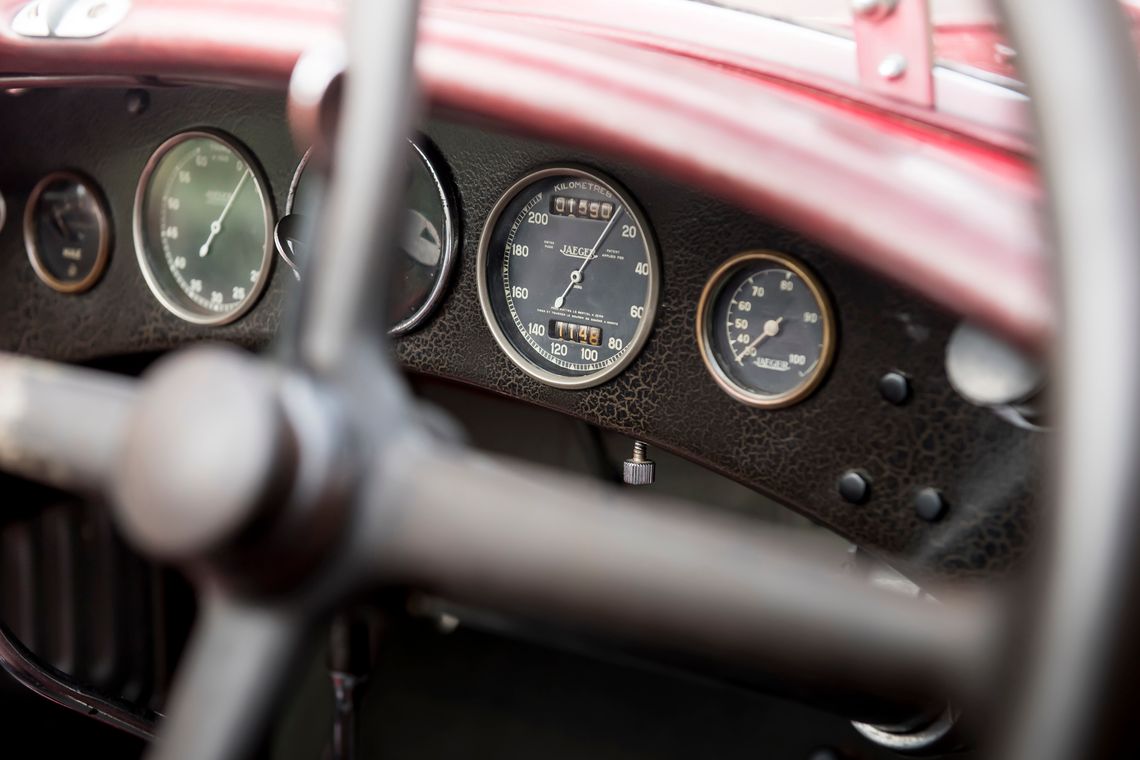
[568, 277]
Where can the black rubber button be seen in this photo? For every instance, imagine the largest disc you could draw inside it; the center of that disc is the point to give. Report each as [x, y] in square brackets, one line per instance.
[930, 505]
[895, 387]
[855, 486]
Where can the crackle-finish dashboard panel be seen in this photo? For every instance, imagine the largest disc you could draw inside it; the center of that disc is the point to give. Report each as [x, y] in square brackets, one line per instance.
[741, 345]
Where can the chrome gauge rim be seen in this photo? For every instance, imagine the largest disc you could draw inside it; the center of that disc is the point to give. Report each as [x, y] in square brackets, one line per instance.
[30, 245]
[450, 244]
[645, 327]
[172, 305]
[709, 297]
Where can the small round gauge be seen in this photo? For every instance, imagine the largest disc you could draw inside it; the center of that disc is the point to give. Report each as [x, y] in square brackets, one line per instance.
[427, 247]
[67, 232]
[568, 276]
[203, 227]
[765, 329]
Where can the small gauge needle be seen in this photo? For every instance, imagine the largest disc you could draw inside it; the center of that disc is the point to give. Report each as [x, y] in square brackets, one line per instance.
[216, 225]
[576, 275]
[771, 328]
[57, 214]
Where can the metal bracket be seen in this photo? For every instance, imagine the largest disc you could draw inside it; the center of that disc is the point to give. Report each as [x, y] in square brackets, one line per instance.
[895, 49]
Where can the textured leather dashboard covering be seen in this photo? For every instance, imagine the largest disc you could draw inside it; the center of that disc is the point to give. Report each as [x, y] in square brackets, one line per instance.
[985, 466]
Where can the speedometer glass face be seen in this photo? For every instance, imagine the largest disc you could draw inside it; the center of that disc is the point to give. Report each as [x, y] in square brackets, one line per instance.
[203, 225]
[568, 277]
[765, 329]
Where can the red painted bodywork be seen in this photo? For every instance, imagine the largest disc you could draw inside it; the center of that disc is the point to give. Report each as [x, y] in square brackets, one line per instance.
[948, 214]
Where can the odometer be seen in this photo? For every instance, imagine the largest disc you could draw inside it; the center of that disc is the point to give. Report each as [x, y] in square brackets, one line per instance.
[203, 227]
[765, 329]
[568, 276]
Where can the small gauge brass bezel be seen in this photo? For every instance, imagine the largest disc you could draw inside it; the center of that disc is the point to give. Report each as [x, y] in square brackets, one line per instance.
[101, 256]
[142, 253]
[709, 296]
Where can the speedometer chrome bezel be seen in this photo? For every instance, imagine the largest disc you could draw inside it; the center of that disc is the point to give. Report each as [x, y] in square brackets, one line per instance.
[711, 292]
[264, 192]
[644, 328]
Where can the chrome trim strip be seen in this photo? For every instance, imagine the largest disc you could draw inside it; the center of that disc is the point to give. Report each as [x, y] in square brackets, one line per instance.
[27, 669]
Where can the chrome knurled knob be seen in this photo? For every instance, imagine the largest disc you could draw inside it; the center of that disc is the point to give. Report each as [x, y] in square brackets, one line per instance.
[638, 470]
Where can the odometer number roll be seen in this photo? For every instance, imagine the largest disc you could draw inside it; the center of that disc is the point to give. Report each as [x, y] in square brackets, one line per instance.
[568, 276]
[765, 329]
[203, 227]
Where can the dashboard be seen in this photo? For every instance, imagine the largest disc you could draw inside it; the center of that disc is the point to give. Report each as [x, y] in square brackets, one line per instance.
[151, 218]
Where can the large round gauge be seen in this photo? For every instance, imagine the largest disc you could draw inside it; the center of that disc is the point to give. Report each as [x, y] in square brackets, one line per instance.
[765, 329]
[568, 276]
[203, 227]
[427, 245]
[67, 232]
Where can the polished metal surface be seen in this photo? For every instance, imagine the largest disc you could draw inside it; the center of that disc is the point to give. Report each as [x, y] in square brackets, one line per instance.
[1087, 108]
[142, 253]
[989, 371]
[69, 19]
[639, 470]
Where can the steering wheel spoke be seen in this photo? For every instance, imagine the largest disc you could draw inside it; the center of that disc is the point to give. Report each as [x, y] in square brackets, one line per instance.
[231, 678]
[62, 426]
[519, 539]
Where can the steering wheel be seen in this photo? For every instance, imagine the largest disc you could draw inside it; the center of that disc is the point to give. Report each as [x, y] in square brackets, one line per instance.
[313, 475]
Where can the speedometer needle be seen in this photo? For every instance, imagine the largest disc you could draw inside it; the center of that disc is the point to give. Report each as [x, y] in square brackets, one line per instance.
[576, 275]
[771, 328]
[216, 225]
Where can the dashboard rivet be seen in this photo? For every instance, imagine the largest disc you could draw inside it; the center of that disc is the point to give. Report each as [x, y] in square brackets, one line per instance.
[855, 486]
[875, 10]
[930, 505]
[892, 67]
[894, 387]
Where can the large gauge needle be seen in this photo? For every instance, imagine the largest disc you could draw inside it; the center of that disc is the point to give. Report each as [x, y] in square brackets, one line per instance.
[771, 328]
[576, 275]
[216, 225]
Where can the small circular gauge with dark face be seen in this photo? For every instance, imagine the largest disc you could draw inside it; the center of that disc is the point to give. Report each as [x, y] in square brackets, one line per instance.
[203, 227]
[568, 277]
[67, 232]
[765, 329]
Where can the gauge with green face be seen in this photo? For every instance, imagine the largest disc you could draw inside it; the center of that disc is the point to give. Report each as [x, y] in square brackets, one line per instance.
[203, 227]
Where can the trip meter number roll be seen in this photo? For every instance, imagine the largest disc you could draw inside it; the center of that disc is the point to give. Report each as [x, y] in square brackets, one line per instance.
[568, 276]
